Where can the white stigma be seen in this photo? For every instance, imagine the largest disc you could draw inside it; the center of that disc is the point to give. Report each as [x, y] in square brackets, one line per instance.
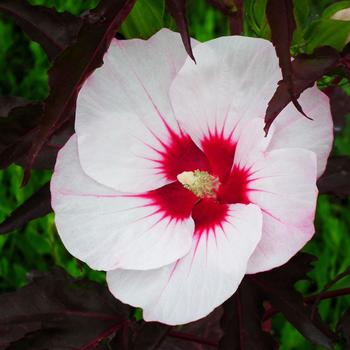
[201, 183]
[187, 178]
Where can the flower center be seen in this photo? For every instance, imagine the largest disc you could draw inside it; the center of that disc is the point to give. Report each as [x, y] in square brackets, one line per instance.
[201, 183]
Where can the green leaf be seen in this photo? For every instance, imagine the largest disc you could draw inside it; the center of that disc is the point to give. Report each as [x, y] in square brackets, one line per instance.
[302, 12]
[255, 19]
[145, 19]
[327, 32]
[331, 10]
[302, 18]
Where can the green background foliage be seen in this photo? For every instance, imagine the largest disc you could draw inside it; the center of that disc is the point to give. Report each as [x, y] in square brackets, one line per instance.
[23, 67]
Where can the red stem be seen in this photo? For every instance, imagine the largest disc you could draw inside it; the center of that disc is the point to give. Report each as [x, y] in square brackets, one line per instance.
[94, 342]
[310, 299]
[336, 80]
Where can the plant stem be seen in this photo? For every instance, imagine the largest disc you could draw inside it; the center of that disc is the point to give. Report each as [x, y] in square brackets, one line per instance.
[311, 299]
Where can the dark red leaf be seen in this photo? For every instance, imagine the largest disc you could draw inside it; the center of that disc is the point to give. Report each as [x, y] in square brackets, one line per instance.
[236, 23]
[329, 285]
[46, 158]
[280, 16]
[203, 334]
[121, 341]
[340, 107]
[336, 178]
[74, 65]
[39, 204]
[19, 121]
[344, 61]
[57, 312]
[236, 19]
[277, 286]
[17, 128]
[177, 9]
[344, 328]
[222, 7]
[7, 103]
[346, 55]
[150, 336]
[242, 321]
[54, 31]
[233, 9]
[307, 69]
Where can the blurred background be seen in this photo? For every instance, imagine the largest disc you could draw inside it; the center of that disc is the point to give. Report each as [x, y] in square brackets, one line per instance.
[23, 72]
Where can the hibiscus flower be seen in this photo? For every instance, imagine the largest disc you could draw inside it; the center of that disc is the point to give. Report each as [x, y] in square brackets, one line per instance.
[169, 183]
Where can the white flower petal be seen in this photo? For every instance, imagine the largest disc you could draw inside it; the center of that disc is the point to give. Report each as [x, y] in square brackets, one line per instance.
[283, 185]
[191, 288]
[293, 130]
[124, 113]
[232, 82]
[234, 78]
[108, 229]
[251, 143]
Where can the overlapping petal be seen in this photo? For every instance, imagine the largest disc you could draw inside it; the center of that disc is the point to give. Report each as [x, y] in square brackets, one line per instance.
[108, 229]
[294, 130]
[232, 82]
[233, 79]
[124, 113]
[283, 185]
[251, 143]
[193, 286]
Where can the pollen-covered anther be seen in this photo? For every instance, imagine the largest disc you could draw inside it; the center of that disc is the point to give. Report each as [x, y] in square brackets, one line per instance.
[201, 183]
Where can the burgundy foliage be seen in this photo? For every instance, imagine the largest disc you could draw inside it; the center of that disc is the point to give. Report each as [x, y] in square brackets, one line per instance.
[39, 204]
[7, 103]
[233, 9]
[307, 69]
[150, 336]
[18, 124]
[177, 9]
[277, 286]
[336, 178]
[242, 321]
[200, 335]
[340, 107]
[236, 19]
[53, 30]
[222, 6]
[282, 23]
[55, 311]
[78, 61]
[344, 328]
